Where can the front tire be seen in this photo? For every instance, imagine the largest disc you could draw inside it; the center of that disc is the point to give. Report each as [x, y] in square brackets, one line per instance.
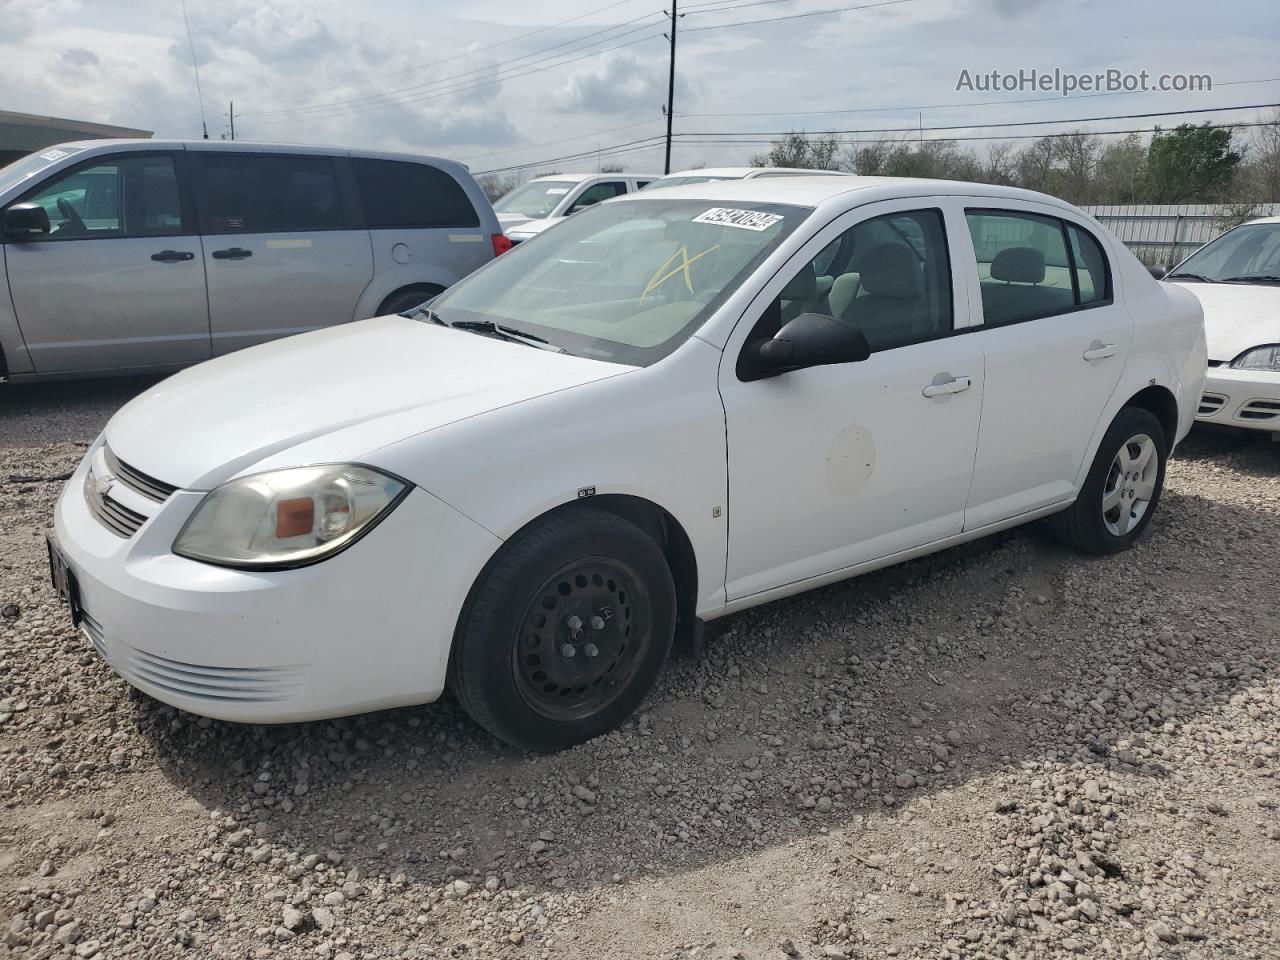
[1123, 487]
[565, 633]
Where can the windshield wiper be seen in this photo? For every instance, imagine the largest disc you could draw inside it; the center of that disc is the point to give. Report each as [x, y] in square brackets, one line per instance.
[1189, 276]
[1254, 278]
[507, 333]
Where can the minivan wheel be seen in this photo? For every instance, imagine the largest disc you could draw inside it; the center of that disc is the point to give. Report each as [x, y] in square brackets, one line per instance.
[1123, 487]
[404, 299]
[565, 633]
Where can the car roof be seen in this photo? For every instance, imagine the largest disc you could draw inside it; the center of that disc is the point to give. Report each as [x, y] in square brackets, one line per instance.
[1264, 220]
[734, 173]
[579, 177]
[253, 146]
[815, 190]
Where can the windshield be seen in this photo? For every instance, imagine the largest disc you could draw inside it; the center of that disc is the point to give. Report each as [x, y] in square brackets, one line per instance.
[1252, 250]
[26, 167]
[627, 281]
[677, 181]
[535, 199]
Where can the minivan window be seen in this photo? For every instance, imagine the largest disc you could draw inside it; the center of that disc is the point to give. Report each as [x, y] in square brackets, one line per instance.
[535, 199]
[24, 168]
[398, 194]
[267, 193]
[133, 196]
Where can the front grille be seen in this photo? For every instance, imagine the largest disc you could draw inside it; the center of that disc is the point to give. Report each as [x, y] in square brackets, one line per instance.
[234, 684]
[1210, 403]
[137, 481]
[1257, 410]
[113, 515]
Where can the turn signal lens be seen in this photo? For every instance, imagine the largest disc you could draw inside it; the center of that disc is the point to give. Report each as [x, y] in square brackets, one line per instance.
[288, 518]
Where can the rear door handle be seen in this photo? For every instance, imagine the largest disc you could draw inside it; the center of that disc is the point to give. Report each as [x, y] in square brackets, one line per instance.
[232, 253]
[173, 256]
[941, 386]
[1100, 351]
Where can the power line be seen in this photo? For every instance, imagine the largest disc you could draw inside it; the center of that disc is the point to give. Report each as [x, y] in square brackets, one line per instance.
[552, 143]
[641, 144]
[470, 53]
[393, 97]
[796, 16]
[993, 126]
[950, 106]
[733, 5]
[1001, 137]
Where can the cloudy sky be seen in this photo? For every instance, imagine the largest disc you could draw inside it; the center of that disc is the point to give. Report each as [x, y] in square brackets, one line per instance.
[498, 83]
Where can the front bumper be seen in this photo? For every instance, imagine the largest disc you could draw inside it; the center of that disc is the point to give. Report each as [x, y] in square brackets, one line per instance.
[366, 629]
[1241, 398]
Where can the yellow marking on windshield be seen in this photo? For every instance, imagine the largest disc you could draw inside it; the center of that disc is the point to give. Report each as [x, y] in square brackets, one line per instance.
[686, 262]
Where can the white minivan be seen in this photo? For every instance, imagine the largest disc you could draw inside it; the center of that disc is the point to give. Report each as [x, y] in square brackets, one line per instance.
[126, 256]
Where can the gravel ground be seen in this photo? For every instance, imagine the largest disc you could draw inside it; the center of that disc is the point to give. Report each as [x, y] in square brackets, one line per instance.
[1005, 750]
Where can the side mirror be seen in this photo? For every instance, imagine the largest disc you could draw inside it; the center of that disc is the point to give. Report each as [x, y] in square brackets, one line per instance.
[1158, 271]
[26, 221]
[810, 340]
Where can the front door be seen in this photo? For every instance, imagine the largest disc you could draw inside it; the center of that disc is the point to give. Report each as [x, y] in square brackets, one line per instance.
[834, 466]
[119, 281]
[283, 251]
[1055, 341]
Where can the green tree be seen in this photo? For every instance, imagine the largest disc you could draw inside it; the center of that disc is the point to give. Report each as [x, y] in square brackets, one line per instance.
[1190, 163]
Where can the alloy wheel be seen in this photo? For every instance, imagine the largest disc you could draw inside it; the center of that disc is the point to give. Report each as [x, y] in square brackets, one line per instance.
[1130, 485]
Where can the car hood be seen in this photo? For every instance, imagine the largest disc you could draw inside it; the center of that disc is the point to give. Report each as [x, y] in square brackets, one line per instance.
[359, 386]
[1238, 316]
[533, 227]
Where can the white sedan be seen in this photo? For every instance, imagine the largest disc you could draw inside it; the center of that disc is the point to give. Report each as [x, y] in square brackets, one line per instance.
[675, 406]
[1237, 279]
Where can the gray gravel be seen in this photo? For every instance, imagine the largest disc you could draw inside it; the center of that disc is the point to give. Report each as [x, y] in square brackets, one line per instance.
[1005, 750]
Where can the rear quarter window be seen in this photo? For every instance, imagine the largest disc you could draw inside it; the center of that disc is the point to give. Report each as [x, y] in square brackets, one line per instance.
[402, 195]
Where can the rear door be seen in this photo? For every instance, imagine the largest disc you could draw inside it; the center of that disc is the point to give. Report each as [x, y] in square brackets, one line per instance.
[1055, 338]
[284, 249]
[119, 281]
[424, 229]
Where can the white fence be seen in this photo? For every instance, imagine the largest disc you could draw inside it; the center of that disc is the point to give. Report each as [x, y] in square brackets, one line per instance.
[1166, 233]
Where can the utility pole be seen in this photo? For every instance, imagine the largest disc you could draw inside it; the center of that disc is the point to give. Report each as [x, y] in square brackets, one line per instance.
[671, 84]
[232, 112]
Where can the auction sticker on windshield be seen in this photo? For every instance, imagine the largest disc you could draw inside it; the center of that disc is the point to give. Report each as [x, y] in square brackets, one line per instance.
[743, 219]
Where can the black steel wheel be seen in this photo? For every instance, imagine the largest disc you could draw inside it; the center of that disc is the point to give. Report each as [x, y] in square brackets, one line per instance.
[566, 631]
[576, 651]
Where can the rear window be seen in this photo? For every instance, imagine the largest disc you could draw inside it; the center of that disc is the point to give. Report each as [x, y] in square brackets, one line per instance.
[398, 194]
[265, 193]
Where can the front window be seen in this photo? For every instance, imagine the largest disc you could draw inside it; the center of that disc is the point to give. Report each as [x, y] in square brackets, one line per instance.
[626, 282]
[535, 199]
[129, 196]
[1247, 253]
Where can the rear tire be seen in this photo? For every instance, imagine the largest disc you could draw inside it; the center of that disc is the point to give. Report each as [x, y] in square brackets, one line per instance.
[1123, 488]
[565, 633]
[404, 299]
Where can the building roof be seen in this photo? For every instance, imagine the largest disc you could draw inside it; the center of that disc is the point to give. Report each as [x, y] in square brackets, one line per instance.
[29, 131]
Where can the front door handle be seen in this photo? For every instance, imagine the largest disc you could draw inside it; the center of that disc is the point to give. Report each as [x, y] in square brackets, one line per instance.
[944, 384]
[232, 253]
[173, 256]
[1100, 351]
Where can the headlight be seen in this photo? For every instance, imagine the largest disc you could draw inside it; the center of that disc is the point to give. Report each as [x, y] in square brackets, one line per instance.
[1259, 358]
[288, 518]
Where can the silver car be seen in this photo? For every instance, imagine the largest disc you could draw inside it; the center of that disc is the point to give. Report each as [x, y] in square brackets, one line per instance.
[124, 256]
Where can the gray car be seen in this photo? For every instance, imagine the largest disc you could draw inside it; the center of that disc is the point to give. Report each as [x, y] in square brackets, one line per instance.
[124, 256]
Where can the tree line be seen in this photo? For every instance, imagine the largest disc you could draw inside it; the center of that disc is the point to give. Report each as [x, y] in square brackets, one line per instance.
[1185, 164]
